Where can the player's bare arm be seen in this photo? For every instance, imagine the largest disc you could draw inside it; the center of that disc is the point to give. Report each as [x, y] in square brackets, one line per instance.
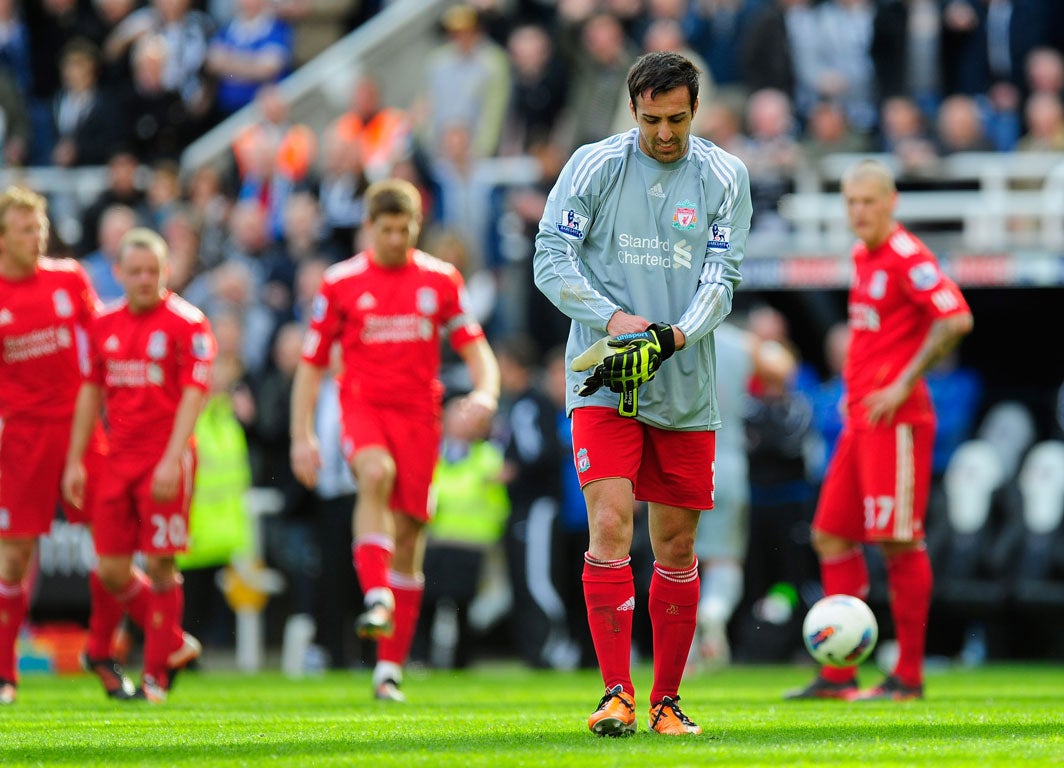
[304, 453]
[86, 409]
[167, 475]
[942, 337]
[479, 406]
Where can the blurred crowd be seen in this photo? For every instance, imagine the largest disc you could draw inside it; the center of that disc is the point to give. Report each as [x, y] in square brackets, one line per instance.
[510, 88]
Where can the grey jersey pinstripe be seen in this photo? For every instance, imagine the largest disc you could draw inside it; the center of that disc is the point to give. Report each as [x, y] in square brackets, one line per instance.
[664, 241]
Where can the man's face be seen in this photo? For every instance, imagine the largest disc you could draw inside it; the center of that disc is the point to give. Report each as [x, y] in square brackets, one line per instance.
[25, 235]
[392, 235]
[143, 275]
[664, 123]
[870, 208]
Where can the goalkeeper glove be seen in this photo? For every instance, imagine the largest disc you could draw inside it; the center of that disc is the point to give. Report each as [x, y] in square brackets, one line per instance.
[639, 358]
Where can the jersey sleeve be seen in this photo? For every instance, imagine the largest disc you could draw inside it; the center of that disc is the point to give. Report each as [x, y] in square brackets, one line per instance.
[560, 268]
[459, 324]
[325, 319]
[92, 367]
[720, 274]
[195, 355]
[928, 286]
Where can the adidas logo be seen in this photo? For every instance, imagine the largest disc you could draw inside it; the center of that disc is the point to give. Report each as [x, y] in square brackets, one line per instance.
[627, 605]
[111, 344]
[672, 610]
[6, 318]
[656, 191]
[366, 301]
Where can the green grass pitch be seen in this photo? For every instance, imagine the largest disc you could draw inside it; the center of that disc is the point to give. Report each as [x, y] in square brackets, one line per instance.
[508, 716]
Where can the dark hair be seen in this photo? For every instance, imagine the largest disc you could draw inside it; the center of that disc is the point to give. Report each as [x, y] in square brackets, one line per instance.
[662, 71]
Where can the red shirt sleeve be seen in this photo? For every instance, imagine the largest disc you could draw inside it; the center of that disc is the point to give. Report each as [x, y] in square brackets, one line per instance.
[195, 355]
[324, 326]
[930, 288]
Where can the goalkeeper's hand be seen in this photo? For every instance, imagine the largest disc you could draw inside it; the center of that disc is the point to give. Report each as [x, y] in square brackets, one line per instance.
[640, 357]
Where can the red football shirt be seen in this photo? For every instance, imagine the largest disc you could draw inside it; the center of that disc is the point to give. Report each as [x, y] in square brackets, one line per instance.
[389, 322]
[144, 362]
[42, 339]
[898, 291]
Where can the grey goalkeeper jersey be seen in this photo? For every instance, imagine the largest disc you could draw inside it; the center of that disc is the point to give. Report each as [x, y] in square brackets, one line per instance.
[664, 241]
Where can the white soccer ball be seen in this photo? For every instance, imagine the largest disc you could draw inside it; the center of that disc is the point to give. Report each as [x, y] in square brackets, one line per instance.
[840, 631]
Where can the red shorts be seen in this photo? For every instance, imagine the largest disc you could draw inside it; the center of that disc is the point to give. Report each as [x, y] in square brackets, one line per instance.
[128, 519]
[413, 440]
[32, 458]
[877, 485]
[665, 466]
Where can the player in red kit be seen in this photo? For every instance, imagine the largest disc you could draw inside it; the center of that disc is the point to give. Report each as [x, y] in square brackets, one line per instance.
[45, 305]
[388, 307]
[904, 316]
[150, 360]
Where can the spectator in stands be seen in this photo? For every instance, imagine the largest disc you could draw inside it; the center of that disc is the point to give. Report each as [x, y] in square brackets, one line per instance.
[467, 80]
[341, 186]
[301, 242]
[160, 125]
[449, 244]
[987, 41]
[186, 32]
[85, 116]
[960, 126]
[231, 287]
[181, 234]
[1045, 124]
[115, 222]
[777, 45]
[538, 89]
[903, 133]
[52, 26]
[14, 123]
[717, 31]
[15, 46]
[274, 157]
[600, 72]
[843, 40]
[252, 50]
[722, 124]
[889, 47]
[828, 132]
[121, 189]
[771, 154]
[1044, 69]
[1001, 113]
[209, 207]
[164, 192]
[462, 186]
[379, 135]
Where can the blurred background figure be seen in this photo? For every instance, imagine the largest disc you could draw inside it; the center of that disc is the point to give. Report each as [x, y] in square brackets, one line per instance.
[471, 511]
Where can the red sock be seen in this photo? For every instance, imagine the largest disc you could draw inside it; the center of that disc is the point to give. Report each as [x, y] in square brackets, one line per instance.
[845, 574]
[105, 614]
[14, 603]
[373, 558]
[162, 632]
[408, 591]
[135, 597]
[673, 615]
[909, 580]
[609, 592]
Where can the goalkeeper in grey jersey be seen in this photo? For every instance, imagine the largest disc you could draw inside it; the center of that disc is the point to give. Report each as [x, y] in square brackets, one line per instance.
[640, 244]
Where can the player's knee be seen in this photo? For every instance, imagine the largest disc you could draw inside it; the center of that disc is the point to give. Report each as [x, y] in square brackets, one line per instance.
[830, 545]
[376, 471]
[114, 574]
[162, 571]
